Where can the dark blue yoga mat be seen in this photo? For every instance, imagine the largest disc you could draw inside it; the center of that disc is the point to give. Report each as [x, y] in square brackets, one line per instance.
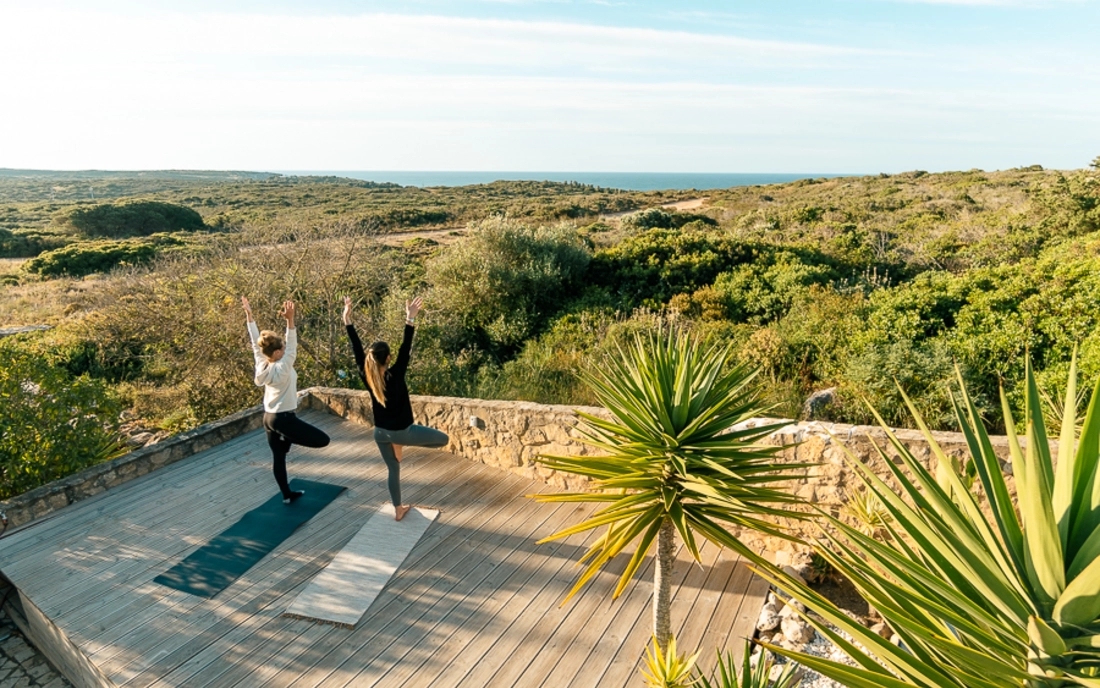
[214, 566]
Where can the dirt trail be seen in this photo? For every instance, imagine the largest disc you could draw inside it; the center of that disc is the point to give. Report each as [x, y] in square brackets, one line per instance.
[689, 204]
[443, 236]
[449, 234]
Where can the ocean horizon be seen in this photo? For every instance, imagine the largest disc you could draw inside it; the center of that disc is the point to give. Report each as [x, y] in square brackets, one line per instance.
[629, 181]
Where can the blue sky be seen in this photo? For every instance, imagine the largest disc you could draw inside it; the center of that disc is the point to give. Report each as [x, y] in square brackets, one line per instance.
[859, 86]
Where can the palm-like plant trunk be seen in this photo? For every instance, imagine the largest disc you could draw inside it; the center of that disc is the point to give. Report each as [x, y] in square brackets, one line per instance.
[662, 583]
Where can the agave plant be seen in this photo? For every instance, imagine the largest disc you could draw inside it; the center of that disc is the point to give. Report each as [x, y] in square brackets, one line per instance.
[673, 461]
[758, 676]
[983, 598]
[667, 669]
[868, 513]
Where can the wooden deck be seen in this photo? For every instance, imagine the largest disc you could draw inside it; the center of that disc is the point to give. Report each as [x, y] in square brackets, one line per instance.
[476, 603]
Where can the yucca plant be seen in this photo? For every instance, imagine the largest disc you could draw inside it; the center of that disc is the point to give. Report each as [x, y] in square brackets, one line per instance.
[1008, 596]
[674, 462]
[750, 676]
[868, 513]
[667, 669]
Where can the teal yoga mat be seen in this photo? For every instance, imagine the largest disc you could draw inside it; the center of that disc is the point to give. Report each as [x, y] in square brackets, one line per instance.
[214, 566]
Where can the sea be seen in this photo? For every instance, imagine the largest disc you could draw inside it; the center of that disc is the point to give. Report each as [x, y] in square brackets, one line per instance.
[630, 181]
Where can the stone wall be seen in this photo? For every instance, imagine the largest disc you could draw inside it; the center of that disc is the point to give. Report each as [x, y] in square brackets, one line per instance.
[509, 435]
[91, 481]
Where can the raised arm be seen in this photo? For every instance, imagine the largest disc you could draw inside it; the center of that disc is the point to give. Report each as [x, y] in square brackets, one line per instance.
[253, 332]
[291, 344]
[356, 345]
[412, 308]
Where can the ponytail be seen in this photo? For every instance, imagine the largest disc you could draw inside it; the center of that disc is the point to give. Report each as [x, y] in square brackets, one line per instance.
[377, 355]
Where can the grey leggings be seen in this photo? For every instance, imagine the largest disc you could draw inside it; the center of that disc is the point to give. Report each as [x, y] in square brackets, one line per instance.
[412, 436]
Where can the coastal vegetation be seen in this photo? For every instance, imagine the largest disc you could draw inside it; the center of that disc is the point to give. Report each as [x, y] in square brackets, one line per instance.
[850, 286]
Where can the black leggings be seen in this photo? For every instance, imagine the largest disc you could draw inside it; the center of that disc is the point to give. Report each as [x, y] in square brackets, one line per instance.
[284, 429]
[412, 436]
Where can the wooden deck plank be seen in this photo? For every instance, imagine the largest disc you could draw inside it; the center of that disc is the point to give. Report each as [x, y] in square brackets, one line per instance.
[210, 623]
[543, 606]
[231, 674]
[547, 563]
[318, 662]
[136, 573]
[150, 488]
[748, 613]
[584, 651]
[190, 608]
[476, 603]
[436, 560]
[469, 623]
[162, 516]
[624, 668]
[495, 555]
[591, 607]
[186, 603]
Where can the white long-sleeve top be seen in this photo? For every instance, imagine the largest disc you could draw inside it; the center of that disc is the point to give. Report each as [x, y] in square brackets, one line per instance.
[278, 378]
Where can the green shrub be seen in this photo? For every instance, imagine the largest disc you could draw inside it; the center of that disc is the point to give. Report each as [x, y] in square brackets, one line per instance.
[129, 219]
[180, 325]
[924, 370]
[497, 286]
[52, 424]
[28, 243]
[660, 218]
[87, 257]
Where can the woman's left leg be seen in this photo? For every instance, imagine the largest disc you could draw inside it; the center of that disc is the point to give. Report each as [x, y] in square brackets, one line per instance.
[291, 430]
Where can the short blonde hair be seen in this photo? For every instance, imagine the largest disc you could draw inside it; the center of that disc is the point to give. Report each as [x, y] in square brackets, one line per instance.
[270, 342]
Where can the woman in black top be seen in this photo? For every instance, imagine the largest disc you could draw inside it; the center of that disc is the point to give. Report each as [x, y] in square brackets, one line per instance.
[393, 418]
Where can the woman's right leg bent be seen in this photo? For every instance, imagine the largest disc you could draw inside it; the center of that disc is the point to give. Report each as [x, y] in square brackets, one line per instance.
[419, 436]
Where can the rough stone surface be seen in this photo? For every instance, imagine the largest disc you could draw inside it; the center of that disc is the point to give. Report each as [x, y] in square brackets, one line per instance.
[9, 331]
[769, 615]
[817, 402]
[21, 664]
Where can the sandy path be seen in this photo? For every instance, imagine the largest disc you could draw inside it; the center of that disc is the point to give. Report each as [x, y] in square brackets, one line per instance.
[689, 204]
[443, 236]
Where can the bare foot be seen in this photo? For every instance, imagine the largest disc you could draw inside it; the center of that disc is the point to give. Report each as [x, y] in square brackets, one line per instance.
[400, 511]
[397, 452]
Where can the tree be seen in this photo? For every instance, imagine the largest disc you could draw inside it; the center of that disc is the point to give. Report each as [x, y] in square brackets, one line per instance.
[52, 424]
[981, 598]
[674, 461]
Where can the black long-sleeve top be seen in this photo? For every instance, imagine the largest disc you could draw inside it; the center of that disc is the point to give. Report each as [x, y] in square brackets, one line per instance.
[397, 413]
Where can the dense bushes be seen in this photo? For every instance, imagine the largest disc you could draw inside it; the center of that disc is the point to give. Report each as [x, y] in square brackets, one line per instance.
[52, 424]
[134, 218]
[87, 257]
[25, 244]
[497, 286]
[187, 332]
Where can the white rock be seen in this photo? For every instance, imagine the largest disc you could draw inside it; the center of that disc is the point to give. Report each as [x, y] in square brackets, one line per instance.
[791, 608]
[796, 630]
[769, 619]
[793, 573]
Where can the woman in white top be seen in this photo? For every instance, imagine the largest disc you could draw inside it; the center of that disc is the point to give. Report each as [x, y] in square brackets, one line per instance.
[275, 373]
